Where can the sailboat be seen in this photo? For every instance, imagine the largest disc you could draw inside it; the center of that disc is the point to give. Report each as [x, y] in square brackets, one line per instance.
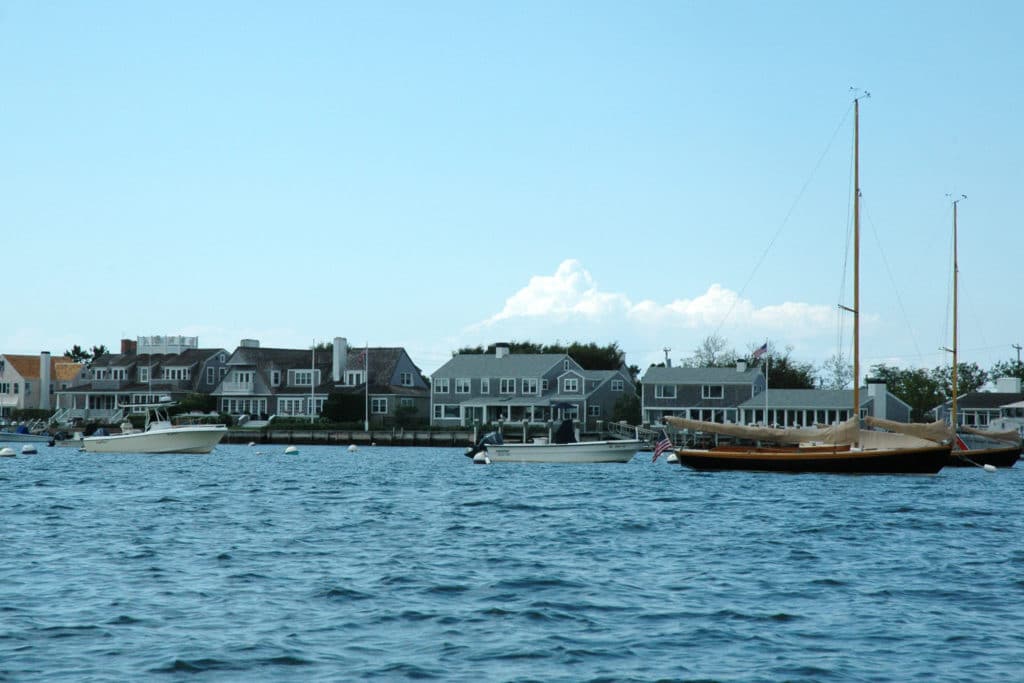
[841, 448]
[975, 447]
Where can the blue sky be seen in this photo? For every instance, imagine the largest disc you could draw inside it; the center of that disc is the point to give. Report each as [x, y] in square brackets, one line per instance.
[434, 175]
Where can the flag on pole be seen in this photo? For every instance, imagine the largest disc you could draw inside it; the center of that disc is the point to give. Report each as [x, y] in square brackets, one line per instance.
[661, 446]
[761, 350]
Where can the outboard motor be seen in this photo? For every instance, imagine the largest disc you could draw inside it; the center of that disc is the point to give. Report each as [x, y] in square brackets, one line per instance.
[566, 432]
[489, 439]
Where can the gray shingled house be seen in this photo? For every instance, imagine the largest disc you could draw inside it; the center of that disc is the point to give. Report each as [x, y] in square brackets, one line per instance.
[737, 395]
[144, 370]
[516, 387]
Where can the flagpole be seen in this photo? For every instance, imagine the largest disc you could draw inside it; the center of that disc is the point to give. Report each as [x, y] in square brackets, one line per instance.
[312, 382]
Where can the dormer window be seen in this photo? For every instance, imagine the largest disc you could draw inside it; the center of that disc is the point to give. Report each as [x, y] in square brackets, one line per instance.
[144, 374]
[571, 385]
[275, 378]
[304, 378]
[354, 377]
[712, 391]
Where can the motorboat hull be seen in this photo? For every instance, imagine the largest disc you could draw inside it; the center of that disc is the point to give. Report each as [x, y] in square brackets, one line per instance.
[190, 439]
[578, 452]
[17, 437]
[840, 460]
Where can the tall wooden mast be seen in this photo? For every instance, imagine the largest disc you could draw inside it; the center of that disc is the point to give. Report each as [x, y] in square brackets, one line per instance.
[856, 258]
[956, 276]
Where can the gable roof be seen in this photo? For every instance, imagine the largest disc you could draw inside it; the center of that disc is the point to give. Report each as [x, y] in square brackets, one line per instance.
[806, 399]
[489, 365]
[730, 375]
[983, 400]
[28, 366]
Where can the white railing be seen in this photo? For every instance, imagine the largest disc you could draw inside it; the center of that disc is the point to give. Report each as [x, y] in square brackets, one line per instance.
[237, 387]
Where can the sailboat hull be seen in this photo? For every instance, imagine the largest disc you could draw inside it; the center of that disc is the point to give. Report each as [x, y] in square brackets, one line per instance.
[924, 460]
[997, 457]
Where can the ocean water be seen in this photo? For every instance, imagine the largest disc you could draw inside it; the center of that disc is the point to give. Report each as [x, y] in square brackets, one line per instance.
[413, 563]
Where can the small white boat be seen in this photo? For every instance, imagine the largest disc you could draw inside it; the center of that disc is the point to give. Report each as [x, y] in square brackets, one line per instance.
[23, 436]
[561, 451]
[158, 436]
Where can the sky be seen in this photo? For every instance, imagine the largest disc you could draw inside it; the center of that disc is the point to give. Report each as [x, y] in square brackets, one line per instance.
[434, 175]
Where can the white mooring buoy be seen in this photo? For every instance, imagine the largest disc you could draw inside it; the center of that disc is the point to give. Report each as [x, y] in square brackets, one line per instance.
[6, 452]
[291, 450]
[990, 468]
[481, 459]
[352, 448]
[251, 444]
[28, 449]
[672, 459]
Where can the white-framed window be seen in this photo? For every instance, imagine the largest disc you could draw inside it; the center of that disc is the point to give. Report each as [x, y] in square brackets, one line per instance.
[243, 376]
[712, 391]
[119, 373]
[441, 385]
[220, 358]
[144, 374]
[485, 385]
[405, 379]
[446, 411]
[571, 413]
[618, 385]
[507, 385]
[462, 385]
[594, 411]
[530, 386]
[664, 391]
[379, 406]
[543, 385]
[211, 375]
[275, 378]
[570, 385]
[177, 373]
[406, 402]
[354, 378]
[303, 378]
[291, 406]
[566, 364]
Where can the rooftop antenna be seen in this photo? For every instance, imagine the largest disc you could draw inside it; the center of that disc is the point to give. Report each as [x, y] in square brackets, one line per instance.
[668, 361]
[1018, 348]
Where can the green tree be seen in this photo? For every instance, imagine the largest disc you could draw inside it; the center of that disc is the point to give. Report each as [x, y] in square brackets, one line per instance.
[969, 377]
[786, 373]
[627, 408]
[98, 351]
[918, 387]
[1007, 368]
[836, 373]
[344, 407]
[589, 355]
[78, 354]
[199, 403]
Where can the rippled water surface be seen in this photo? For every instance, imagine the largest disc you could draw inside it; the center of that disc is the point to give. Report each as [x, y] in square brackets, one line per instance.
[394, 563]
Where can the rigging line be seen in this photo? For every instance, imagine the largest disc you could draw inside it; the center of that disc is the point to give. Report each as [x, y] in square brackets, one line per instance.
[840, 318]
[785, 220]
[892, 280]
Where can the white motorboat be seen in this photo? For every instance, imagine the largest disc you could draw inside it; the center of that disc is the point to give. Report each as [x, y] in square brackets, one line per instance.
[562, 450]
[159, 435]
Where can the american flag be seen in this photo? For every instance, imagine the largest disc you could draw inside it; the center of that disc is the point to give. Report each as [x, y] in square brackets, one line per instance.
[761, 350]
[661, 446]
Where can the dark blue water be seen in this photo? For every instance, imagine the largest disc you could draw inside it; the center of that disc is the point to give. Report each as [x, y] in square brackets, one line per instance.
[413, 563]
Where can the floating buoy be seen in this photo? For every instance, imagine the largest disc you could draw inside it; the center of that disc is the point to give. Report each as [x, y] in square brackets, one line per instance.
[672, 459]
[291, 450]
[352, 448]
[481, 459]
[990, 468]
[6, 452]
[251, 444]
[28, 449]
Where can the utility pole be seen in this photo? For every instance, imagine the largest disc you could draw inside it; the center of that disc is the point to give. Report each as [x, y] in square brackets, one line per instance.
[1018, 347]
[668, 361]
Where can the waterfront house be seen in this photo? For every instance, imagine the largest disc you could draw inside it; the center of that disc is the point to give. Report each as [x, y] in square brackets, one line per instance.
[535, 388]
[31, 382]
[146, 369]
[981, 408]
[808, 407]
[263, 382]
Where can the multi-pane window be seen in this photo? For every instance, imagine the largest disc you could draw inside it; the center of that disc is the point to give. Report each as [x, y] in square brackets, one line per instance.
[440, 385]
[529, 386]
[275, 378]
[618, 385]
[485, 385]
[462, 385]
[302, 378]
[144, 374]
[405, 379]
[712, 391]
[594, 411]
[571, 385]
[353, 377]
[446, 411]
[211, 375]
[664, 391]
[379, 406]
[507, 385]
[543, 385]
[406, 402]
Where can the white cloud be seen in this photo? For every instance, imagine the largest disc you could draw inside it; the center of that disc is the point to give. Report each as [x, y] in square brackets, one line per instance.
[572, 294]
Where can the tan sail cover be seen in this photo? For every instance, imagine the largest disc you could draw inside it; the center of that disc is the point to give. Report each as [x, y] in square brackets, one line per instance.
[1012, 436]
[847, 432]
[937, 431]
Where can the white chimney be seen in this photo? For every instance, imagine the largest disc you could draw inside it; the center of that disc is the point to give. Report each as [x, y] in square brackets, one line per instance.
[741, 365]
[878, 391]
[1008, 385]
[249, 343]
[340, 359]
[44, 380]
[500, 350]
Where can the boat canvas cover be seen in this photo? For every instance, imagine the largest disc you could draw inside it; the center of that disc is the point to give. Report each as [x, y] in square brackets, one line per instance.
[842, 433]
[936, 432]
